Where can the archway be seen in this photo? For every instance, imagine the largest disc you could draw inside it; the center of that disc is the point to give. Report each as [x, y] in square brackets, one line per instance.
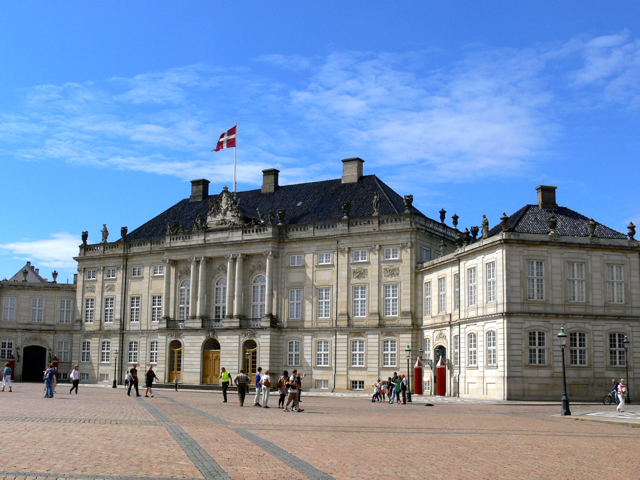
[250, 357]
[34, 359]
[175, 361]
[211, 362]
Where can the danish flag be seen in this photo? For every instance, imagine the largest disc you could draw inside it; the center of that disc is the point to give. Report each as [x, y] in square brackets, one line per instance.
[227, 139]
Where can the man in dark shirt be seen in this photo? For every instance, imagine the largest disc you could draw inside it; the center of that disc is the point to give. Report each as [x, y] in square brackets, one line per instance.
[134, 380]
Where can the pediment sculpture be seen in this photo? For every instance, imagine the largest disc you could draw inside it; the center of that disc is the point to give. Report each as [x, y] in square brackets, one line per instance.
[225, 211]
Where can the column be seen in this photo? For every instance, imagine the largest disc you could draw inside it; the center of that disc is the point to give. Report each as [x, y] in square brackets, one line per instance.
[166, 293]
[192, 287]
[268, 303]
[230, 284]
[201, 287]
[237, 301]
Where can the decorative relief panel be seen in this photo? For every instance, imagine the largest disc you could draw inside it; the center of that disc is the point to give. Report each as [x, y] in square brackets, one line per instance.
[257, 267]
[359, 273]
[248, 334]
[391, 271]
[110, 287]
[90, 289]
[441, 335]
[221, 269]
[185, 271]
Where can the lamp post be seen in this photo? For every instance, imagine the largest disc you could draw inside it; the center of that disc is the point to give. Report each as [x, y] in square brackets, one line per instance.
[565, 400]
[115, 373]
[408, 352]
[247, 356]
[625, 342]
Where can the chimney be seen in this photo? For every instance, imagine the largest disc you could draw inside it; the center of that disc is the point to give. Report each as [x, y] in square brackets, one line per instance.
[351, 169]
[547, 197]
[199, 190]
[270, 180]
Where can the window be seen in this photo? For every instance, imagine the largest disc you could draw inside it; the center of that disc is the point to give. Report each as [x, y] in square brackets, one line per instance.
[109, 302]
[136, 272]
[442, 295]
[357, 353]
[391, 300]
[360, 255]
[158, 269]
[615, 283]
[6, 348]
[577, 348]
[110, 273]
[492, 350]
[63, 376]
[105, 352]
[85, 353]
[456, 350]
[63, 351]
[135, 309]
[322, 384]
[84, 377]
[472, 350]
[293, 356]
[65, 311]
[322, 353]
[324, 258]
[89, 305]
[324, 302]
[389, 353]
[456, 291]
[37, 309]
[472, 288]
[183, 299]
[156, 308]
[427, 350]
[258, 296]
[295, 304]
[617, 356]
[360, 301]
[104, 377]
[220, 299]
[133, 352]
[576, 282]
[153, 351]
[91, 274]
[392, 253]
[426, 254]
[537, 350]
[9, 309]
[357, 384]
[296, 261]
[535, 280]
[427, 298]
[491, 282]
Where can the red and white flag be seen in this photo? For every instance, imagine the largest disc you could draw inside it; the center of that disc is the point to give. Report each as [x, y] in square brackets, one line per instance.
[227, 139]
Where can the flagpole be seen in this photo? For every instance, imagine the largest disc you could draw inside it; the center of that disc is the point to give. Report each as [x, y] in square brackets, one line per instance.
[234, 160]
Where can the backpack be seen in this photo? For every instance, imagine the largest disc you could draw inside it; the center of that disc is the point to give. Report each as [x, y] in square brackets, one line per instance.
[267, 382]
[280, 382]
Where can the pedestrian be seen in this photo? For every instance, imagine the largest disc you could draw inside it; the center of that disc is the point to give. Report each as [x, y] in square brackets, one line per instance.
[376, 391]
[389, 388]
[134, 380]
[282, 388]
[256, 400]
[299, 379]
[242, 382]
[54, 384]
[127, 379]
[622, 394]
[6, 377]
[226, 377]
[293, 393]
[176, 381]
[404, 386]
[265, 385]
[394, 385]
[74, 376]
[615, 390]
[49, 375]
[148, 380]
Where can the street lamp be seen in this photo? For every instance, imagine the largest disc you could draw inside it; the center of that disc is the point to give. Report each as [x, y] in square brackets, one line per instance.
[115, 373]
[408, 352]
[565, 400]
[247, 355]
[625, 343]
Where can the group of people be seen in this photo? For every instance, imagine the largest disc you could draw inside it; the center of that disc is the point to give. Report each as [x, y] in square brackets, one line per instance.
[289, 387]
[131, 380]
[619, 393]
[395, 389]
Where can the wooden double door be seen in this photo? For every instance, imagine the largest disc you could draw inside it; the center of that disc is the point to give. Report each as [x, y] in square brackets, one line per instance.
[211, 362]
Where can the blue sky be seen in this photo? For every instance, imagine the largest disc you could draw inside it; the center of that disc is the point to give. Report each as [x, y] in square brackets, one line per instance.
[109, 109]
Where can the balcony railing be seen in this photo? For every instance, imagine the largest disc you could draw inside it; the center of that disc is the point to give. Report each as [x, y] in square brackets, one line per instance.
[211, 323]
[175, 324]
[250, 323]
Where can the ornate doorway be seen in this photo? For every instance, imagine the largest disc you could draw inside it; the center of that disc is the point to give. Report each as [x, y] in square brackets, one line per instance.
[250, 357]
[34, 360]
[211, 362]
[175, 361]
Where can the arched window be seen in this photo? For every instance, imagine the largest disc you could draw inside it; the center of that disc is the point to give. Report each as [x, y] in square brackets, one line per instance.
[220, 299]
[183, 299]
[258, 296]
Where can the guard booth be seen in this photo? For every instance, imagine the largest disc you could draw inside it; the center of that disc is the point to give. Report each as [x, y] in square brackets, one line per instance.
[441, 378]
[417, 377]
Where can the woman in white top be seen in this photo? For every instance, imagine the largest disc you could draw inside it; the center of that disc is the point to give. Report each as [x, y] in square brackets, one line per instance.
[74, 376]
[265, 386]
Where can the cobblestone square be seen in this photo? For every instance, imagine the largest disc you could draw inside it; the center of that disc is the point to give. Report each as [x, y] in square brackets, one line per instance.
[103, 433]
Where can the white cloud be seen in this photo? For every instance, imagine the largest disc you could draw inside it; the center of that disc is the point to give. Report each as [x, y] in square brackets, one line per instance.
[55, 252]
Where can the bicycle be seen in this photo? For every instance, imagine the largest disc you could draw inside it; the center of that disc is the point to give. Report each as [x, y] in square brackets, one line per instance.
[609, 398]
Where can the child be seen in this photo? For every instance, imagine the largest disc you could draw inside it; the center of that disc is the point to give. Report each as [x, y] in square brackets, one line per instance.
[127, 379]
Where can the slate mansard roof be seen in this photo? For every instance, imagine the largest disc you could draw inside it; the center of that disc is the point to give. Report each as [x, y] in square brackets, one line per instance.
[533, 219]
[303, 203]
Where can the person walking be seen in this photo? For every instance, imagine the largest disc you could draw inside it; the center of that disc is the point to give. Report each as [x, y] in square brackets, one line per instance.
[148, 380]
[256, 400]
[242, 382]
[6, 376]
[299, 379]
[376, 391]
[293, 393]
[265, 385]
[404, 385]
[389, 388]
[615, 390]
[226, 377]
[134, 380]
[394, 390]
[282, 388]
[622, 394]
[127, 380]
[49, 374]
[74, 376]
